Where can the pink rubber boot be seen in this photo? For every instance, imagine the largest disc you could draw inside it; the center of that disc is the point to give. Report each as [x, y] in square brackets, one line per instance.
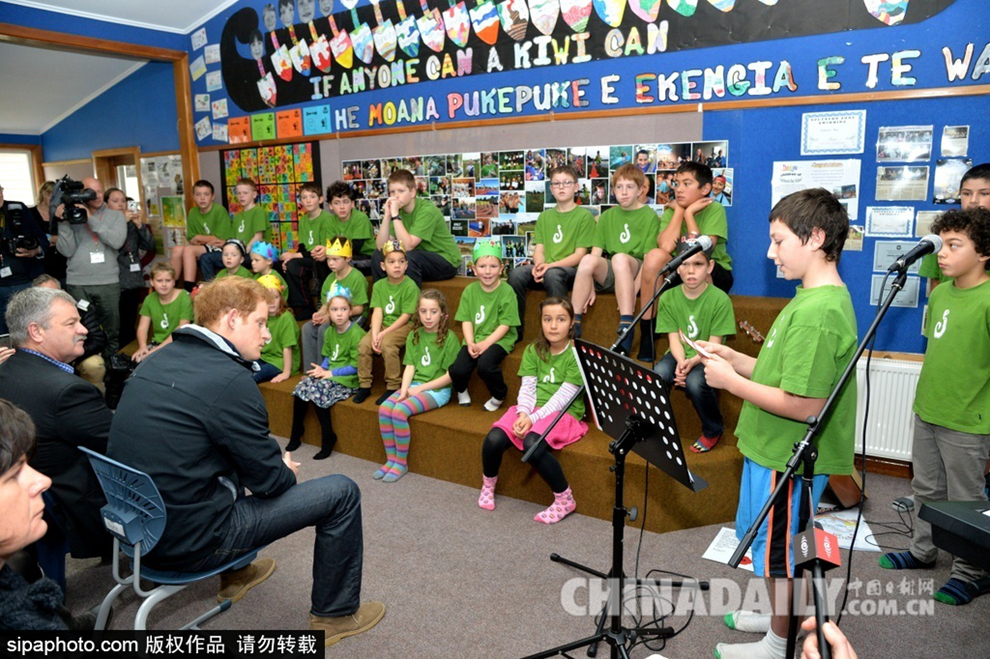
[487, 498]
[562, 506]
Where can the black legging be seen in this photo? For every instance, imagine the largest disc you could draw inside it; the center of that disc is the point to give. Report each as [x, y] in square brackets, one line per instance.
[497, 442]
[299, 415]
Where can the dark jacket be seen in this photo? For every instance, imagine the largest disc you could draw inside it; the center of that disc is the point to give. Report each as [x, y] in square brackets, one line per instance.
[68, 412]
[138, 240]
[193, 418]
[96, 339]
[25, 606]
[18, 221]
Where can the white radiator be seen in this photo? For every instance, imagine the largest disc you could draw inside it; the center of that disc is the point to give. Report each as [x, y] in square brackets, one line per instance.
[891, 424]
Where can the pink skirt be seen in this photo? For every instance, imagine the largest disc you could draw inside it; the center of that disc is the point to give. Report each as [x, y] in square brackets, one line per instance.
[568, 431]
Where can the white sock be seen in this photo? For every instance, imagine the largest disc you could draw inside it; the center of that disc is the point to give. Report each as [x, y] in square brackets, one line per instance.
[770, 646]
[493, 404]
[748, 621]
[463, 398]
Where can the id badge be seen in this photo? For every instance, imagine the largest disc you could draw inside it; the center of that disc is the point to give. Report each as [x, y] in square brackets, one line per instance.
[97, 257]
[6, 272]
[135, 267]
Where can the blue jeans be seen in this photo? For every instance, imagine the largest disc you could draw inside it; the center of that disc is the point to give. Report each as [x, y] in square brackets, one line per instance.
[703, 397]
[266, 372]
[7, 292]
[211, 263]
[333, 505]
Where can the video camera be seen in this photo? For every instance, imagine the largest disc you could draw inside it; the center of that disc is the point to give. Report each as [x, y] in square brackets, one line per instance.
[20, 237]
[73, 195]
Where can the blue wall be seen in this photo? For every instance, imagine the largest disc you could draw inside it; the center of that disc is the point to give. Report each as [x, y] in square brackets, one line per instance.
[759, 137]
[10, 138]
[138, 110]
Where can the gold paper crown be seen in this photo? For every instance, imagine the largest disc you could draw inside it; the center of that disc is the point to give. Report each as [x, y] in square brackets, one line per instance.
[392, 246]
[271, 282]
[338, 248]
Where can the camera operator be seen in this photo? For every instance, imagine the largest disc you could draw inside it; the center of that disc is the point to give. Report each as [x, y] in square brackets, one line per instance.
[21, 251]
[91, 248]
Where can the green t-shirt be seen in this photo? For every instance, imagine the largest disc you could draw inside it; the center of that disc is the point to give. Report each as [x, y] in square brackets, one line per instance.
[929, 269]
[342, 350]
[285, 334]
[353, 280]
[249, 222]
[357, 227]
[710, 314]
[166, 317]
[563, 233]
[394, 299]
[241, 272]
[809, 345]
[627, 232]
[954, 387]
[431, 361]
[711, 222]
[285, 286]
[215, 222]
[426, 223]
[486, 311]
[313, 232]
[552, 373]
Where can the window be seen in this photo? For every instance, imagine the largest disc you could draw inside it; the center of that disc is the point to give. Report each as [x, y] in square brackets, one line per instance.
[17, 176]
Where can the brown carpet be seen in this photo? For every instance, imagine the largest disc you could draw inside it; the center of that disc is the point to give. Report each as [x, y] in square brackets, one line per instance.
[463, 583]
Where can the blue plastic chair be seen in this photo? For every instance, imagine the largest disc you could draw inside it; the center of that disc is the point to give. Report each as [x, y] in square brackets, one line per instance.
[135, 517]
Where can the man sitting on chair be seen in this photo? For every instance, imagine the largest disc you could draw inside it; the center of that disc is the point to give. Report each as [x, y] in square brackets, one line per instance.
[193, 419]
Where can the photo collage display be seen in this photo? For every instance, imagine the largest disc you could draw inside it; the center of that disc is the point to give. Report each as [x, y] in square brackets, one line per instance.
[499, 194]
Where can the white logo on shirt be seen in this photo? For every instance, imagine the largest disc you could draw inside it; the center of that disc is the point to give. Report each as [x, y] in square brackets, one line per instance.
[390, 307]
[426, 360]
[311, 240]
[240, 229]
[336, 351]
[164, 324]
[625, 235]
[559, 236]
[550, 378]
[206, 229]
[480, 316]
[692, 328]
[773, 336]
[941, 325]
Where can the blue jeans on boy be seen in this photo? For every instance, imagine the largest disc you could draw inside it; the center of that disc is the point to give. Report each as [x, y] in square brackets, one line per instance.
[703, 397]
[333, 505]
[211, 263]
[265, 372]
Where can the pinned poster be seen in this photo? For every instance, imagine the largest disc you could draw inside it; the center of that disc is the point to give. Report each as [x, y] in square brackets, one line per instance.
[955, 141]
[316, 120]
[220, 132]
[220, 108]
[214, 81]
[263, 126]
[198, 38]
[203, 128]
[212, 53]
[197, 68]
[202, 102]
[239, 130]
[289, 123]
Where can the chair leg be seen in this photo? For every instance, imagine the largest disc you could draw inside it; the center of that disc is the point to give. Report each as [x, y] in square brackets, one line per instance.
[101, 618]
[217, 610]
[157, 595]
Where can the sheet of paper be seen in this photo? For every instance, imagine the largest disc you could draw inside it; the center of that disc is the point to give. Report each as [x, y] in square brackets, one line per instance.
[698, 349]
[220, 132]
[214, 81]
[197, 68]
[842, 523]
[889, 221]
[212, 53]
[722, 547]
[854, 241]
[908, 297]
[203, 128]
[923, 225]
[907, 183]
[955, 141]
[904, 143]
[839, 176]
[833, 132]
[198, 38]
[948, 177]
[202, 102]
[219, 108]
[885, 252]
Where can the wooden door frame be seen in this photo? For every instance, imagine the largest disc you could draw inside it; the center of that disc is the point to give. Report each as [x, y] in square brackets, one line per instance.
[29, 36]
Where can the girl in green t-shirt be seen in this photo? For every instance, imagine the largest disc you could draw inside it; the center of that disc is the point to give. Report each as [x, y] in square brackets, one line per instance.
[550, 377]
[163, 310]
[280, 357]
[430, 350]
[335, 379]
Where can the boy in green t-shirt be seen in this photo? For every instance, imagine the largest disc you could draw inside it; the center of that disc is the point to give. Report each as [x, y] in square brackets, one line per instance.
[623, 235]
[163, 310]
[338, 251]
[702, 312]
[974, 192]
[207, 226]
[419, 225]
[489, 315]
[808, 347]
[689, 214]
[309, 260]
[250, 224]
[562, 237]
[393, 302]
[233, 256]
[348, 221]
[952, 404]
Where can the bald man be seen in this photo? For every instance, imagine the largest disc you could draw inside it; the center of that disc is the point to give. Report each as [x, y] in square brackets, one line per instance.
[91, 250]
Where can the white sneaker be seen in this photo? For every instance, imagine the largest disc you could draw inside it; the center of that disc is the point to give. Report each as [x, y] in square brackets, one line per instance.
[493, 404]
[464, 398]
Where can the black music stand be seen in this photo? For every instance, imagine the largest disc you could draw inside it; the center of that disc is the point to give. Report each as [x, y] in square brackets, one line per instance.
[631, 404]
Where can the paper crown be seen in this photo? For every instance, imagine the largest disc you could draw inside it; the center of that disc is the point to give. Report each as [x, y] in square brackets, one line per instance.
[486, 248]
[392, 246]
[338, 248]
[238, 244]
[265, 250]
[271, 281]
[336, 290]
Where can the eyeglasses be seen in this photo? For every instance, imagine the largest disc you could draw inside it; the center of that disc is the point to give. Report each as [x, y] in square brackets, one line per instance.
[562, 184]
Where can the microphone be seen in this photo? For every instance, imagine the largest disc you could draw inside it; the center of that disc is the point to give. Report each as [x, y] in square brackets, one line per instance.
[702, 244]
[930, 244]
[816, 544]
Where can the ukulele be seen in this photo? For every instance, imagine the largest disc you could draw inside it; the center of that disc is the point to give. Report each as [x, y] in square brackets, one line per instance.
[751, 331]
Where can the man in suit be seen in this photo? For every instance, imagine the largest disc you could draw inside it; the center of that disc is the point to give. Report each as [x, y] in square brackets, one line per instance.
[68, 411]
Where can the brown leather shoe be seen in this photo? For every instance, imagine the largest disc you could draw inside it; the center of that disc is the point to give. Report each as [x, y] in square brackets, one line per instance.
[367, 616]
[234, 585]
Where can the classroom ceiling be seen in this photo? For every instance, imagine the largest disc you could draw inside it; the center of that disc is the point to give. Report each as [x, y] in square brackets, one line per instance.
[180, 16]
[49, 85]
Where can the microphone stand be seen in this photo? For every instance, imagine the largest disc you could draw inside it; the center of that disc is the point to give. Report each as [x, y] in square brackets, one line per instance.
[805, 453]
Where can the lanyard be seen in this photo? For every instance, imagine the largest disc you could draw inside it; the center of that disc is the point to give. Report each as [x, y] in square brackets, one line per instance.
[96, 239]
